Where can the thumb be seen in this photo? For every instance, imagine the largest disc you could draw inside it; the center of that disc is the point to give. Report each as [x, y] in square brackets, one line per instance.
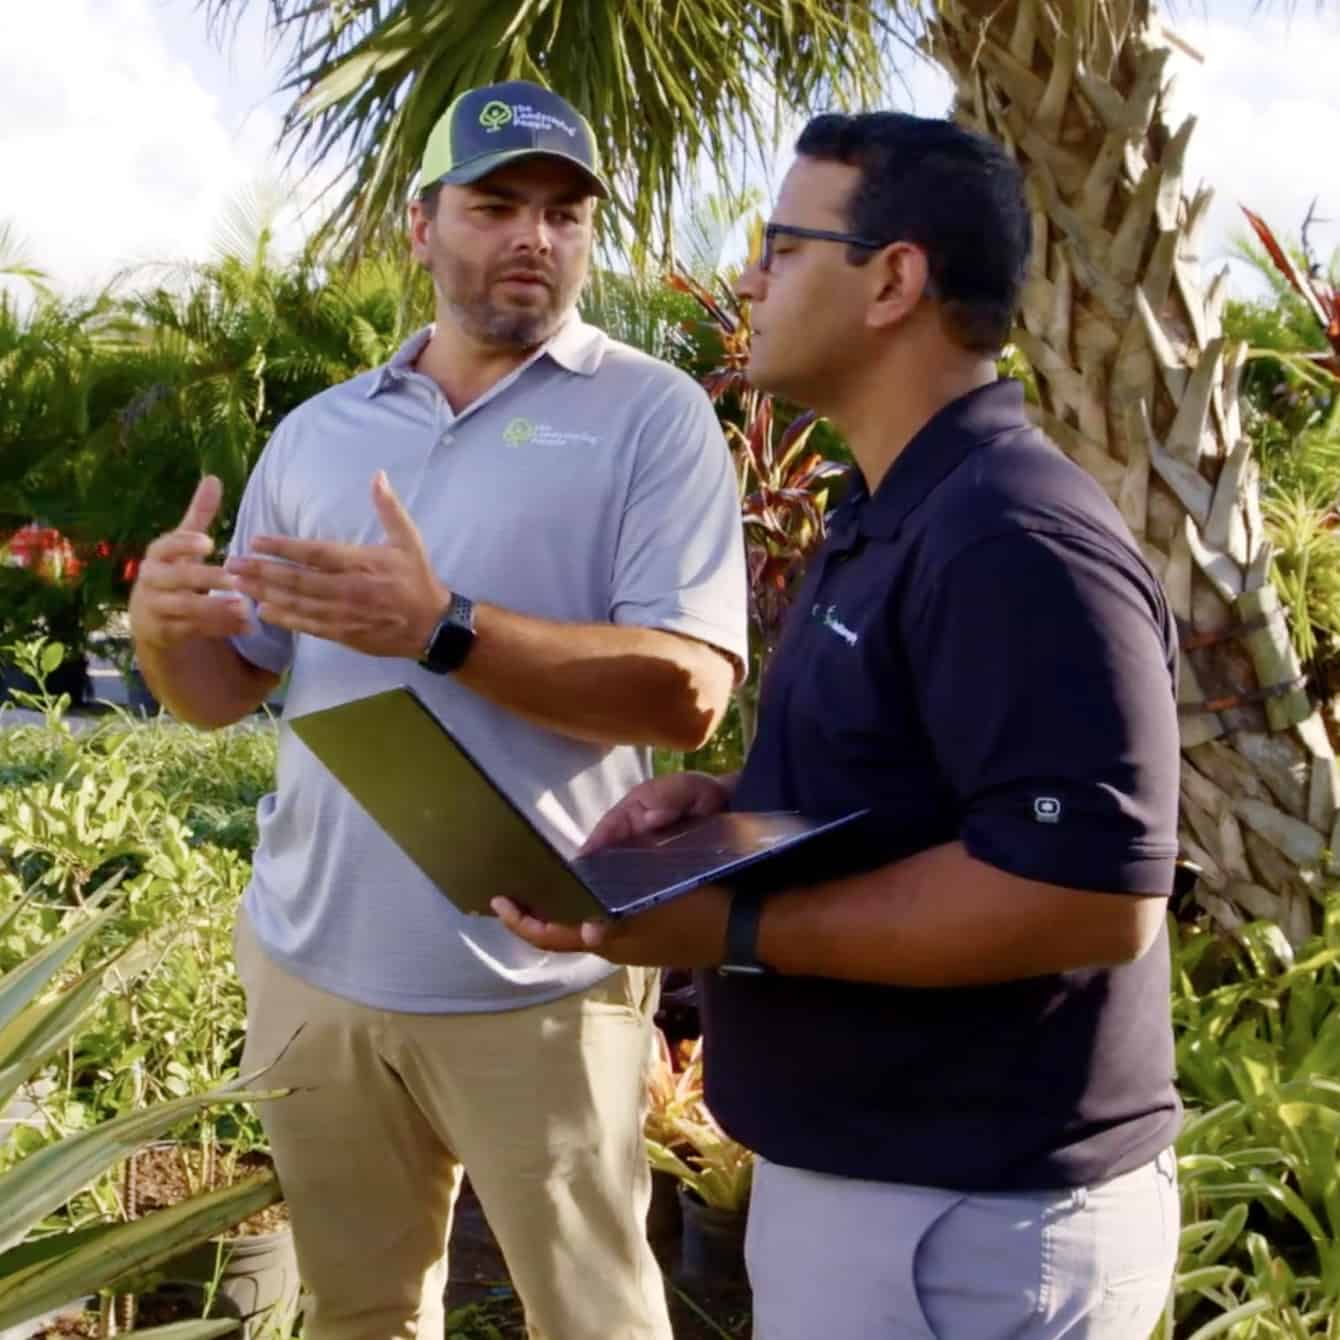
[401, 532]
[204, 505]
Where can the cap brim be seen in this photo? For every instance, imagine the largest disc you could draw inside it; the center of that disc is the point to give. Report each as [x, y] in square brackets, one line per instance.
[477, 168]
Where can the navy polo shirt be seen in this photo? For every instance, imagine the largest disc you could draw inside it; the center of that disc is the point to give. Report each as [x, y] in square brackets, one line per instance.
[978, 654]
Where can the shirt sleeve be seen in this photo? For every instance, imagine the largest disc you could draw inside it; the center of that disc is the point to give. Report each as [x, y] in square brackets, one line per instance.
[265, 645]
[679, 562]
[1046, 673]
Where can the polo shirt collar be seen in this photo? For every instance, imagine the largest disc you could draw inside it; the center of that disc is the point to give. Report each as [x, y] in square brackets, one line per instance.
[574, 346]
[958, 428]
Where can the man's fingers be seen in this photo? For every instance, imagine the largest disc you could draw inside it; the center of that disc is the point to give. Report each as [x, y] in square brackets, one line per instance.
[204, 505]
[595, 933]
[614, 827]
[265, 577]
[177, 545]
[182, 615]
[548, 935]
[396, 521]
[183, 575]
[323, 555]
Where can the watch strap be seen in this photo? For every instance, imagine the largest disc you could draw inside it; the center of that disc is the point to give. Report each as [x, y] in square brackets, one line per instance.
[742, 922]
[452, 636]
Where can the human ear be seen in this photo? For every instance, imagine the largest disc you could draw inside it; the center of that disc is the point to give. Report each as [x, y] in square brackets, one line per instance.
[899, 279]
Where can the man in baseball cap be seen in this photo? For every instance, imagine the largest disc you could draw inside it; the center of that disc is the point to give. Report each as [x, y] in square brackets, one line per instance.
[490, 127]
[538, 527]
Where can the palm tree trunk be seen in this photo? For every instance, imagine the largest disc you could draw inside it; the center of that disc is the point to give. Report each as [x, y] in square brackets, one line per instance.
[1138, 385]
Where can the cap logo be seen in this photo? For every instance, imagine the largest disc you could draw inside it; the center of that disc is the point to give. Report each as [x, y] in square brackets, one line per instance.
[495, 116]
[1047, 809]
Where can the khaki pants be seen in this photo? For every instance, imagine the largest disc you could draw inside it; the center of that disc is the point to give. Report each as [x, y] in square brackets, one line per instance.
[543, 1105]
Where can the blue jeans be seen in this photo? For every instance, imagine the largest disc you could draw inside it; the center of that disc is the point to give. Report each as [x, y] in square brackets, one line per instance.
[845, 1259]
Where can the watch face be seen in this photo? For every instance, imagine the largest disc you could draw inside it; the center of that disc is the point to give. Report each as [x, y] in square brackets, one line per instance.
[451, 642]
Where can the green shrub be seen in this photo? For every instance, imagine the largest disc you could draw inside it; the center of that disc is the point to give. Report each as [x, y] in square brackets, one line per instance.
[1257, 1031]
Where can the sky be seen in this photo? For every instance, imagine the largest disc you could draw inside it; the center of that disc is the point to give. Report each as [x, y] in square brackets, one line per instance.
[128, 130]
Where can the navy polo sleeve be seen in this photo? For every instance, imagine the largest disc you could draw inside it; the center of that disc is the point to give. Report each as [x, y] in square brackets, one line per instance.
[1044, 664]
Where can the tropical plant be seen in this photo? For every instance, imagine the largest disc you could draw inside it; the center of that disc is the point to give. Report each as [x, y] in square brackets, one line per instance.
[782, 477]
[43, 1263]
[668, 86]
[1257, 1028]
[674, 1089]
[684, 1140]
[15, 263]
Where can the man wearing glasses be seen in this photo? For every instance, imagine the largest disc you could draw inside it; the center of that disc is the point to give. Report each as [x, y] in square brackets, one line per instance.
[950, 1048]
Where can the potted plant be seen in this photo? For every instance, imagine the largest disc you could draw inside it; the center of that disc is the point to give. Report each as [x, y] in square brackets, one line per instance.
[250, 1271]
[674, 1092]
[714, 1175]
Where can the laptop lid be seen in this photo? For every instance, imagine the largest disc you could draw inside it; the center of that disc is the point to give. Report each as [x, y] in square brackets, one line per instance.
[439, 804]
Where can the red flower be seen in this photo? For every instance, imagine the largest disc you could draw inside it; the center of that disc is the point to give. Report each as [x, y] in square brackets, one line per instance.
[45, 550]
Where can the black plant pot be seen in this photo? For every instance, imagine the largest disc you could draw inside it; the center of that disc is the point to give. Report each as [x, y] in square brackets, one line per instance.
[70, 677]
[664, 1220]
[257, 1279]
[712, 1250]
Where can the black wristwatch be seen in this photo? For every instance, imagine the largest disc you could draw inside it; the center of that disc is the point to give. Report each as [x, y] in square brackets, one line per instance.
[451, 640]
[746, 908]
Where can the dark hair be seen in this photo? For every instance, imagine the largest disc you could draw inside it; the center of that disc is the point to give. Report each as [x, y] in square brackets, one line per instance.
[957, 195]
[429, 197]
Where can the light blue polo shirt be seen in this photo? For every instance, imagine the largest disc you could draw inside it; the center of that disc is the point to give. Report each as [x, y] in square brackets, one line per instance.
[592, 484]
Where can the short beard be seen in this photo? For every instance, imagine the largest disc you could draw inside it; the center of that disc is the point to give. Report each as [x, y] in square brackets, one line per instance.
[506, 330]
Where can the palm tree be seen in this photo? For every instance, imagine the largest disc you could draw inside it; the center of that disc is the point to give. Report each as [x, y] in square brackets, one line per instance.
[1135, 377]
[666, 84]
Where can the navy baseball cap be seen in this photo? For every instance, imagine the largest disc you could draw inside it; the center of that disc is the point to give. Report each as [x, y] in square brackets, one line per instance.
[487, 128]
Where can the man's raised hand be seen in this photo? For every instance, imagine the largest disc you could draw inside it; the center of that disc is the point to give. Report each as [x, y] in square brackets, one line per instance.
[173, 599]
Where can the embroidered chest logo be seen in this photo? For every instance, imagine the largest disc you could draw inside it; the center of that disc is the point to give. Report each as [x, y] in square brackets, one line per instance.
[827, 615]
[526, 432]
[1047, 810]
[518, 432]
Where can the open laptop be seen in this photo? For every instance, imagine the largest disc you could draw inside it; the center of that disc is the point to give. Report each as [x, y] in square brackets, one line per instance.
[441, 807]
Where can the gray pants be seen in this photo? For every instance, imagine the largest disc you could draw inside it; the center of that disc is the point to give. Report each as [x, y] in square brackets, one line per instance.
[855, 1260]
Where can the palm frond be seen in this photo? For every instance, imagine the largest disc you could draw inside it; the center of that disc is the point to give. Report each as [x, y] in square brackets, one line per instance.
[665, 85]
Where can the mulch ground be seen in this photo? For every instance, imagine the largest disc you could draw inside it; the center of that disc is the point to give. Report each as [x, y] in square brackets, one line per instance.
[479, 1284]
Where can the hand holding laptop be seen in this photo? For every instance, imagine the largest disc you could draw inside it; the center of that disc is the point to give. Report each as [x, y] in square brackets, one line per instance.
[688, 931]
[453, 820]
[659, 803]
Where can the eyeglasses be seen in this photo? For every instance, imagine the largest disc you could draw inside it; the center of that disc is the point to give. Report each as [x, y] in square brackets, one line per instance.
[775, 230]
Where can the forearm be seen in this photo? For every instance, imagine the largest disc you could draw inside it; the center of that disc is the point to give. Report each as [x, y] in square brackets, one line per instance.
[608, 683]
[204, 681]
[942, 919]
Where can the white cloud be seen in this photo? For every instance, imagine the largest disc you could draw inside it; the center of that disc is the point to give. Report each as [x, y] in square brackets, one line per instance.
[115, 151]
[1268, 125]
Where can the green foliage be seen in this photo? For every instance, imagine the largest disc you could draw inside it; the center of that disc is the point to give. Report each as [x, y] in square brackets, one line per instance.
[1291, 412]
[643, 312]
[170, 813]
[1258, 1047]
[45, 998]
[111, 409]
[665, 86]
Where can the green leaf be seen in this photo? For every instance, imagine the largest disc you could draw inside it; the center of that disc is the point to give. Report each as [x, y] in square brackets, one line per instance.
[46, 1179]
[22, 985]
[132, 1248]
[1226, 1321]
[205, 1329]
